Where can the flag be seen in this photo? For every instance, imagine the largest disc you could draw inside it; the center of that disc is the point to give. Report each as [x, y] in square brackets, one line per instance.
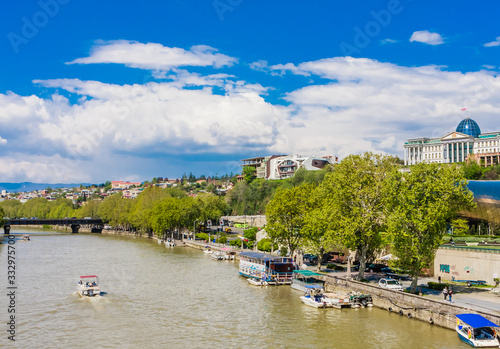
[463, 109]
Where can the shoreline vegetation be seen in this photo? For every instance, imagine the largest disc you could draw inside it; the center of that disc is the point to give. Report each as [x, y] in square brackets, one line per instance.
[363, 204]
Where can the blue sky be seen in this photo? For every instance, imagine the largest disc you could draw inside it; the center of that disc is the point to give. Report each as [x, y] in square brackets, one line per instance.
[91, 91]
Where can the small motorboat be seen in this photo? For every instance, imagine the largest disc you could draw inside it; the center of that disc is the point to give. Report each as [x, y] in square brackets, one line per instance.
[360, 300]
[26, 238]
[314, 297]
[337, 300]
[218, 255]
[257, 282]
[477, 331]
[170, 243]
[88, 286]
[207, 250]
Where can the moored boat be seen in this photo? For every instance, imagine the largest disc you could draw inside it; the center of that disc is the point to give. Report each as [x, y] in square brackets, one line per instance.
[303, 278]
[314, 297]
[276, 270]
[257, 282]
[88, 286]
[477, 331]
[338, 301]
[26, 238]
[218, 255]
[207, 250]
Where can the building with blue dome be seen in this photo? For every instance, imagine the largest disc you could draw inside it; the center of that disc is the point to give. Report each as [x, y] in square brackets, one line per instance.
[465, 143]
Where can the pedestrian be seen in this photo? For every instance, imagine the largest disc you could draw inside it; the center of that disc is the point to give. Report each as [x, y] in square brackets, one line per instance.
[445, 292]
[450, 292]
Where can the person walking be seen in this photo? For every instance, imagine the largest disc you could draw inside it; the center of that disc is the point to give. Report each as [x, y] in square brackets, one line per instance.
[450, 293]
[445, 292]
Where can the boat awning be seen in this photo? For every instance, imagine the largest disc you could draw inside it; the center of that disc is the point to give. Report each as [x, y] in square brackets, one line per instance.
[88, 276]
[306, 273]
[265, 256]
[475, 320]
[314, 287]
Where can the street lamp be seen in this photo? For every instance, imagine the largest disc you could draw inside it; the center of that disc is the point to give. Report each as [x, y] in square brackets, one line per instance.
[194, 229]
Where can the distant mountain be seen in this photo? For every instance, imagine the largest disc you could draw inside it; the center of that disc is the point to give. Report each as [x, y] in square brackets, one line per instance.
[28, 186]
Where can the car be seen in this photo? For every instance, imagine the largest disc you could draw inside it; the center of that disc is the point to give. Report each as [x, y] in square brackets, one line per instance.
[390, 284]
[372, 267]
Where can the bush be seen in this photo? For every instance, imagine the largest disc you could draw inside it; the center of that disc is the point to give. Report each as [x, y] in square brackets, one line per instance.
[250, 233]
[436, 286]
[266, 245]
[334, 267]
[202, 236]
[46, 226]
[222, 240]
[235, 243]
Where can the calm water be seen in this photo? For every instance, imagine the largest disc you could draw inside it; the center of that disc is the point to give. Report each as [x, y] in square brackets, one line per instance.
[176, 298]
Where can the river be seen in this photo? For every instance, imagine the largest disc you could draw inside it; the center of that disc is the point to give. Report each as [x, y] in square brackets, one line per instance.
[159, 297]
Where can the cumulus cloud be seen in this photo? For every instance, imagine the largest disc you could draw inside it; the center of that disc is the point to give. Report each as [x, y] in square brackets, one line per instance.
[3, 141]
[376, 106]
[152, 56]
[493, 43]
[426, 37]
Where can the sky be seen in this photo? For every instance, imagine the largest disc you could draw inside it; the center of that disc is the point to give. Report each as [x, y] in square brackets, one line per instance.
[124, 90]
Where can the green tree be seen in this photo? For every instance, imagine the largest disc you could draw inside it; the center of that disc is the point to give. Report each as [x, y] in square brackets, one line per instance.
[460, 226]
[248, 174]
[354, 203]
[422, 202]
[286, 213]
[2, 214]
[473, 171]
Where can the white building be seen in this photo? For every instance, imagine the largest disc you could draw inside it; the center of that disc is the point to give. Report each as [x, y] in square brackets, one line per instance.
[455, 146]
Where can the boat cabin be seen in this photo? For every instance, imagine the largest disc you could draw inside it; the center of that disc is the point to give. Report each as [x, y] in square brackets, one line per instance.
[303, 278]
[477, 331]
[274, 269]
[88, 286]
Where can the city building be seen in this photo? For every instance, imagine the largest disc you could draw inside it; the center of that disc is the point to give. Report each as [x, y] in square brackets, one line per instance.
[123, 185]
[466, 142]
[285, 166]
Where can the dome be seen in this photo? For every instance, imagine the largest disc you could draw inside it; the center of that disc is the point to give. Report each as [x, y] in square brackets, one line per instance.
[469, 127]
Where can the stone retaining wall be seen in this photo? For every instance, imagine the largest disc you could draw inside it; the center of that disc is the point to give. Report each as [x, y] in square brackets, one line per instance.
[406, 304]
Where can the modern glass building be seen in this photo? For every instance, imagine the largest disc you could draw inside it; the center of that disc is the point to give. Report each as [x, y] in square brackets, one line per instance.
[487, 198]
[457, 146]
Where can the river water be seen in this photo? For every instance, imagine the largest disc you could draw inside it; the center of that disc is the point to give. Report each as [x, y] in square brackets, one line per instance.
[159, 297]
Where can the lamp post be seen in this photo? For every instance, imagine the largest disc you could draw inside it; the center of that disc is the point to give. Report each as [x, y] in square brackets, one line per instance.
[194, 229]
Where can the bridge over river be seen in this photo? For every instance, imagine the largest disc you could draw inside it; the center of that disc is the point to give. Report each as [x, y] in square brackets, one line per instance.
[75, 223]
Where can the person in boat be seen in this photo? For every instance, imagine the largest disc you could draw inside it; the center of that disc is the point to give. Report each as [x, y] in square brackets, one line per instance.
[94, 284]
[87, 284]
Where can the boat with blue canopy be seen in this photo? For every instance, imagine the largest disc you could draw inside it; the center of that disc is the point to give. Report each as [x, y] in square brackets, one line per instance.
[477, 331]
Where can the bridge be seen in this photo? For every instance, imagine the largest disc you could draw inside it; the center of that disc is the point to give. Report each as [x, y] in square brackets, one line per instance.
[74, 223]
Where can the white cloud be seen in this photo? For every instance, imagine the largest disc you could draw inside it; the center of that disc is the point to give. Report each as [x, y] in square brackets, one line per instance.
[152, 56]
[427, 37]
[493, 43]
[375, 106]
[3, 141]
[388, 41]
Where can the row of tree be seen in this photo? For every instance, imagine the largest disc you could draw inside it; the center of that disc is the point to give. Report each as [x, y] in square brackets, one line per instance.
[367, 203]
[155, 209]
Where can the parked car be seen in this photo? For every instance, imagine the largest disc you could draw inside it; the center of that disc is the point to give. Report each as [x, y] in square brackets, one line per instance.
[390, 284]
[373, 267]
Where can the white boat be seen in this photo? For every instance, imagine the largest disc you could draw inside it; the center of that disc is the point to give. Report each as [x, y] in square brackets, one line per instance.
[477, 331]
[314, 297]
[26, 238]
[337, 300]
[218, 255]
[207, 250]
[276, 270]
[169, 243]
[257, 282]
[229, 254]
[88, 286]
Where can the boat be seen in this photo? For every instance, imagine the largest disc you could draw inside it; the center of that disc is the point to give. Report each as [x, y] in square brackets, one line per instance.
[88, 286]
[336, 300]
[229, 254]
[218, 255]
[303, 278]
[314, 297]
[360, 300]
[477, 331]
[26, 238]
[257, 282]
[276, 270]
[207, 250]
[170, 243]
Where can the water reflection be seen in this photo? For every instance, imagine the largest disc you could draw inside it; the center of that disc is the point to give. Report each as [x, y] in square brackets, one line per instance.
[179, 298]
